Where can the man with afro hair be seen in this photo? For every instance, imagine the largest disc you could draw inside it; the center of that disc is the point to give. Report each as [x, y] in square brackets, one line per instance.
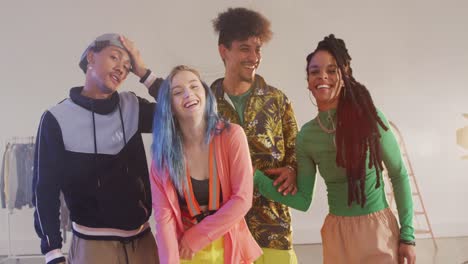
[268, 120]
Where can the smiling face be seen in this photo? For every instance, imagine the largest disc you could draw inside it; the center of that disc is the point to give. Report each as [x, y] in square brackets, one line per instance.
[188, 96]
[324, 80]
[107, 69]
[242, 58]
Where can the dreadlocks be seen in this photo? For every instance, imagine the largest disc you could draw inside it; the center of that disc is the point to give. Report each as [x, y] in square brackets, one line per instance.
[357, 124]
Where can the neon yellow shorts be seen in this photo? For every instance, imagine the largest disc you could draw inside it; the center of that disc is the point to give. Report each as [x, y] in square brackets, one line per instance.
[211, 254]
[276, 256]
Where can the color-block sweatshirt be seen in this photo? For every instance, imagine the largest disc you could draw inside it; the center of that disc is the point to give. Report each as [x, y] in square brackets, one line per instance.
[92, 151]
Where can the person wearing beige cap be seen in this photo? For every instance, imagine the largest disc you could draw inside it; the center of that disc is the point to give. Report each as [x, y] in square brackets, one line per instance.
[90, 148]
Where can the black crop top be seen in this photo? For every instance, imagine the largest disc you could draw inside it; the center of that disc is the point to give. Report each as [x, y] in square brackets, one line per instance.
[201, 192]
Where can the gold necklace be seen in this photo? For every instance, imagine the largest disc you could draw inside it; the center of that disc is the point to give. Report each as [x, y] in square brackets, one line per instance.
[326, 129]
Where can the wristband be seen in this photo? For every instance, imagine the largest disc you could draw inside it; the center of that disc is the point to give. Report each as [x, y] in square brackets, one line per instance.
[291, 168]
[408, 242]
[144, 77]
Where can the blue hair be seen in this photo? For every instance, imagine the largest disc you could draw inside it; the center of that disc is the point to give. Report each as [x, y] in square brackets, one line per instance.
[167, 147]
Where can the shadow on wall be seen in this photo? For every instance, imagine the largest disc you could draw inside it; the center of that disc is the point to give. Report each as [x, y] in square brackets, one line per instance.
[462, 138]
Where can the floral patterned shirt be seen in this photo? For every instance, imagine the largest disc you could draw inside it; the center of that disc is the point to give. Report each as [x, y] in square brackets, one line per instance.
[271, 128]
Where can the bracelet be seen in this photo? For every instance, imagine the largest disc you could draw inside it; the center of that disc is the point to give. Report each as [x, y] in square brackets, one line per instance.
[291, 168]
[408, 242]
[144, 77]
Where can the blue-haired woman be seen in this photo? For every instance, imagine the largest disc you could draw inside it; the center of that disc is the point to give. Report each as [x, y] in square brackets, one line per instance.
[201, 177]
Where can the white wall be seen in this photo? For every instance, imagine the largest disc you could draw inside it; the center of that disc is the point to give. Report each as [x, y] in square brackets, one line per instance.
[410, 54]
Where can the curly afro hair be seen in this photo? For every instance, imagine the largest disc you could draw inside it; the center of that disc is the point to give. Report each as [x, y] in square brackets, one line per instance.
[241, 24]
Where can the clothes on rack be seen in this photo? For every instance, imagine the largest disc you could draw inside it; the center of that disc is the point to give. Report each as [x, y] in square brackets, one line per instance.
[2, 179]
[16, 176]
[65, 221]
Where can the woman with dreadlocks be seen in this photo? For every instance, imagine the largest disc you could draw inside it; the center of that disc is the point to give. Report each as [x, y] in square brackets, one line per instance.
[348, 141]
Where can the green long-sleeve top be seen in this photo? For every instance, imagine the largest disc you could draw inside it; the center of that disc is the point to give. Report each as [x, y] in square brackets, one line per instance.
[316, 149]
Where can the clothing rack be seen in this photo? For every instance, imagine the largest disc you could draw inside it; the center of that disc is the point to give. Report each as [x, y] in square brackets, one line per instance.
[10, 255]
[21, 140]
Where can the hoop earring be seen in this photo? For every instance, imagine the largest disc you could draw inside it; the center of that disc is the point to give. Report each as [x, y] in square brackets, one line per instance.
[310, 98]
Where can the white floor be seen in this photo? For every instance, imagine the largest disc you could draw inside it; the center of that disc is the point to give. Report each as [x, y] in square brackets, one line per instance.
[450, 251]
